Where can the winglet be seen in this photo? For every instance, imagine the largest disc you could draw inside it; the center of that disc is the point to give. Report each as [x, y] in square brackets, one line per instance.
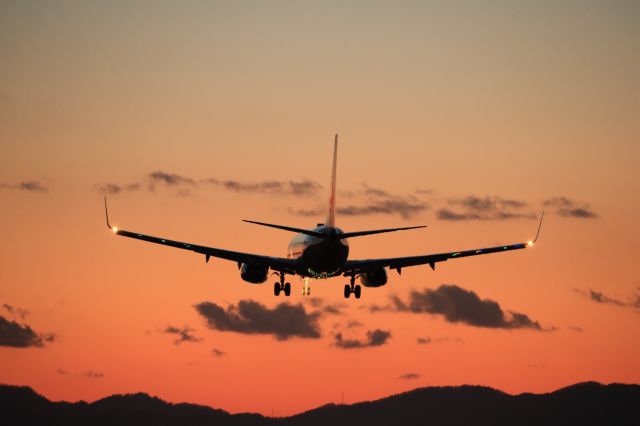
[532, 242]
[539, 226]
[106, 213]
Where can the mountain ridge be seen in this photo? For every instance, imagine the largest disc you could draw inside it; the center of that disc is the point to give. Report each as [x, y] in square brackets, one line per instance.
[581, 403]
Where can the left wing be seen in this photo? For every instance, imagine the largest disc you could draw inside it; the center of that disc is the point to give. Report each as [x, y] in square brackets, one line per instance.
[275, 263]
[397, 263]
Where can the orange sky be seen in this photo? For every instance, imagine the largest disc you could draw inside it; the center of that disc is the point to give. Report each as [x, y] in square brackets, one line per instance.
[518, 102]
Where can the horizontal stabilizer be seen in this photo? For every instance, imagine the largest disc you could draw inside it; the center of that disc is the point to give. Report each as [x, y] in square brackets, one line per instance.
[289, 228]
[377, 231]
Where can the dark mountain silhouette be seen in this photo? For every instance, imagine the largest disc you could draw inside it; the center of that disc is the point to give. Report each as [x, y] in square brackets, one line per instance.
[581, 404]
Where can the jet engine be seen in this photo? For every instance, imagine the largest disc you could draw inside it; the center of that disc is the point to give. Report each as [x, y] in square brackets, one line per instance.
[252, 273]
[374, 277]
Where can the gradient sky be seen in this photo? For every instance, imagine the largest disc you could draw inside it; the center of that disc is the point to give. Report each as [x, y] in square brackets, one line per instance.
[446, 106]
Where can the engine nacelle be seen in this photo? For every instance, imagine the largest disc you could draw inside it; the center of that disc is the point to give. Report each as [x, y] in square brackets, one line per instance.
[252, 273]
[374, 277]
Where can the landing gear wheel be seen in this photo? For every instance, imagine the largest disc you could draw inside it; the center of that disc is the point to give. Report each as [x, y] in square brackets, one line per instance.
[357, 291]
[347, 291]
[287, 289]
[276, 289]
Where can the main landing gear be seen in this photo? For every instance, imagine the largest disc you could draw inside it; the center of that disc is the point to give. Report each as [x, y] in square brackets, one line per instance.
[352, 288]
[306, 288]
[281, 286]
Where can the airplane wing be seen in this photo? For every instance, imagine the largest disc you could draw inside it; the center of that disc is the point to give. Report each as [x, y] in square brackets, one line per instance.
[275, 263]
[397, 263]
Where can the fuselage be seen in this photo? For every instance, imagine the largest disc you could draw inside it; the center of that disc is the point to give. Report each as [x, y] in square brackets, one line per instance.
[319, 257]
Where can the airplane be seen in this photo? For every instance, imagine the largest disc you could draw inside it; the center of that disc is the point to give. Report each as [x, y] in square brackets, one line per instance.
[321, 252]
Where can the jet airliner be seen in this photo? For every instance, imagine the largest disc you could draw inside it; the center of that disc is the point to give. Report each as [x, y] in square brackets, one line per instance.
[321, 253]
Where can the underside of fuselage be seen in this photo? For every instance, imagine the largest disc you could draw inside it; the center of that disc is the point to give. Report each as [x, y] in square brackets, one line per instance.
[319, 257]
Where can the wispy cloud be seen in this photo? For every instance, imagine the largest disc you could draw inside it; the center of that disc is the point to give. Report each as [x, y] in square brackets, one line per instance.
[409, 376]
[184, 184]
[184, 334]
[218, 353]
[28, 186]
[283, 322]
[90, 374]
[432, 340]
[374, 338]
[15, 312]
[632, 301]
[567, 207]
[483, 208]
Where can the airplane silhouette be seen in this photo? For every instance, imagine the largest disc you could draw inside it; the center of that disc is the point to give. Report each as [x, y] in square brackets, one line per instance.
[321, 253]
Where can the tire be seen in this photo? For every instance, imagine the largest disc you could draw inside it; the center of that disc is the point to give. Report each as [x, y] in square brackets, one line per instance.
[347, 291]
[276, 289]
[287, 289]
[358, 291]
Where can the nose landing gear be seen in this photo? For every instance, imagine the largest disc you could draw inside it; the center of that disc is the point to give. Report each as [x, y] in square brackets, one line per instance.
[352, 288]
[306, 289]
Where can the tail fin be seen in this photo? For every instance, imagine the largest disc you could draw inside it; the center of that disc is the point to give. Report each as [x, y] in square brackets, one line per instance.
[331, 214]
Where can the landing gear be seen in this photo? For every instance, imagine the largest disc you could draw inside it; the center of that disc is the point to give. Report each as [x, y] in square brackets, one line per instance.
[306, 289]
[281, 286]
[352, 288]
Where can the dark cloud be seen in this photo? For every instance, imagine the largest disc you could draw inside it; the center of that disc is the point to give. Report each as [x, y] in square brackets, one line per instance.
[284, 321]
[456, 304]
[375, 337]
[29, 186]
[483, 208]
[405, 208]
[353, 324]
[16, 312]
[218, 353]
[62, 372]
[409, 376]
[185, 334]
[423, 340]
[599, 297]
[569, 208]
[92, 375]
[21, 336]
[576, 328]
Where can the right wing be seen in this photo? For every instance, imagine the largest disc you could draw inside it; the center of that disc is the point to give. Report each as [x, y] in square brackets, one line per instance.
[275, 263]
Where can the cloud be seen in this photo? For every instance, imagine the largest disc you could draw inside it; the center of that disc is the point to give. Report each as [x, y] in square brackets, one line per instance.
[218, 353]
[112, 188]
[576, 328]
[599, 297]
[16, 312]
[409, 376]
[184, 334]
[183, 185]
[29, 186]
[92, 375]
[302, 188]
[372, 201]
[456, 304]
[566, 207]
[483, 208]
[375, 337]
[16, 335]
[62, 372]
[444, 339]
[283, 322]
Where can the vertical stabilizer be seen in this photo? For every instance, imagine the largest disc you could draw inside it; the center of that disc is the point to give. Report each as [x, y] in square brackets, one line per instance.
[331, 214]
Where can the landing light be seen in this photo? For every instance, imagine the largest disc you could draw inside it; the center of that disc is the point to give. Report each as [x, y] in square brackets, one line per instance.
[530, 243]
[115, 229]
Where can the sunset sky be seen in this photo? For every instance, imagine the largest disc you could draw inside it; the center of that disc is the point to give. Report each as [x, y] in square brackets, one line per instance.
[469, 117]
